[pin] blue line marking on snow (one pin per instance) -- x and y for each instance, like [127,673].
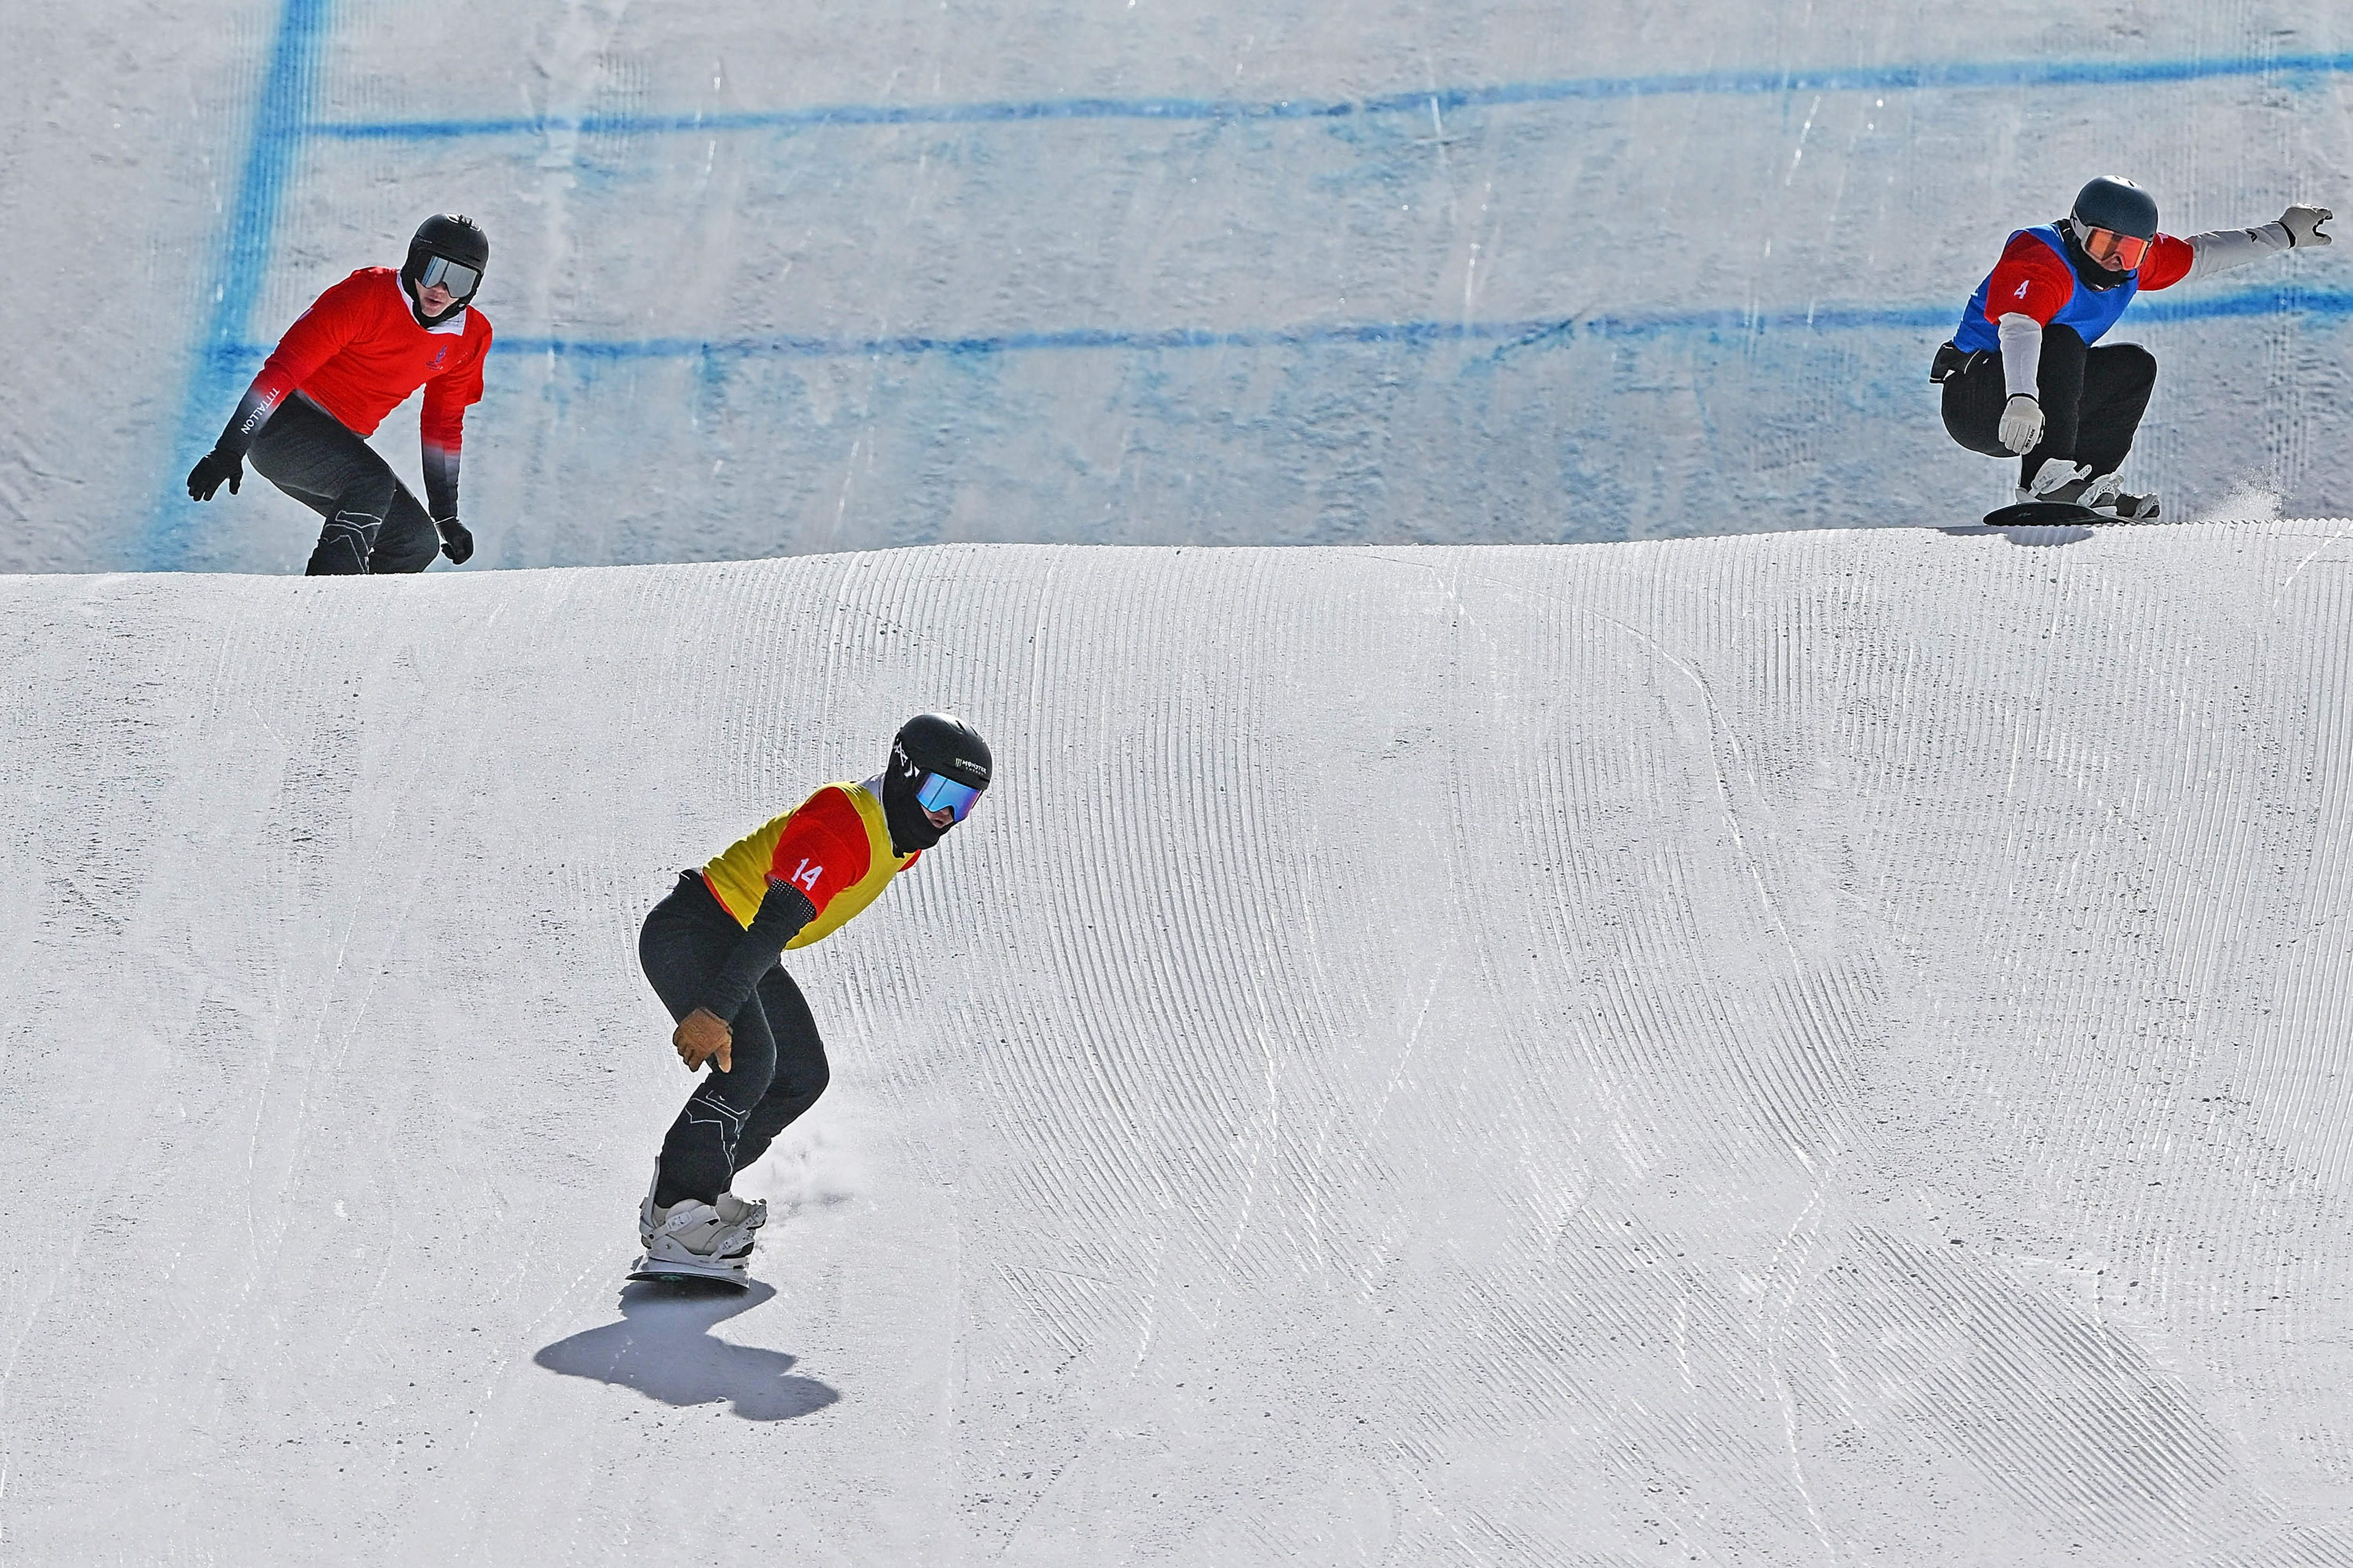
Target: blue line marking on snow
[281,116]
[1915,78]
[282,124]
[1523,334]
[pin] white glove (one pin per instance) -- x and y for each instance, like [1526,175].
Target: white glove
[2022,423]
[2303,226]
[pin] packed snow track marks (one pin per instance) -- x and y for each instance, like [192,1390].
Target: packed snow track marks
[1800,1048]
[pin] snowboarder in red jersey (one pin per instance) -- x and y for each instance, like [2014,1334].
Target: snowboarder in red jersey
[710,950]
[2022,377]
[353,357]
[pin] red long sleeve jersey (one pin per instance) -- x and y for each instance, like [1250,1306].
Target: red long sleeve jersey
[2032,279]
[358,352]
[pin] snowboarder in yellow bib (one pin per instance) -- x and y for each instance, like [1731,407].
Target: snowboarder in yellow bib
[710,950]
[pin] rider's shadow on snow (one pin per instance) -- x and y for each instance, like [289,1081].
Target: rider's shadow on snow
[663,1348]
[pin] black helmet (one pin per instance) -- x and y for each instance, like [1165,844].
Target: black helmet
[931,743]
[2117,205]
[945,744]
[459,240]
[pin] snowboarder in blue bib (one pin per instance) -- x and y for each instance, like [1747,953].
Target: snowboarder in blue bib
[2022,377]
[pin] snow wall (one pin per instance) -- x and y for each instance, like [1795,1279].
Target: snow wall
[1829,1048]
[832,276]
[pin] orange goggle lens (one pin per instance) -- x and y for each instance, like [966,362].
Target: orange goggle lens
[2109,247]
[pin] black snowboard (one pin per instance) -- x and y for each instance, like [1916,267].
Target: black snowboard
[2046,514]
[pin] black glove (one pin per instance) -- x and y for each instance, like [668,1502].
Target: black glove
[456,542]
[211,470]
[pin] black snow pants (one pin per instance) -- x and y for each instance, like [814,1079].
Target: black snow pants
[2093,399]
[373,523]
[780,1068]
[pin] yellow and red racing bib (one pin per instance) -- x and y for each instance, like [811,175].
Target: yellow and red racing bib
[835,846]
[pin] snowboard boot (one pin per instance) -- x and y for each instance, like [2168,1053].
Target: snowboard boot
[2102,495]
[719,1237]
[746,1215]
[2057,481]
[735,1211]
[691,1238]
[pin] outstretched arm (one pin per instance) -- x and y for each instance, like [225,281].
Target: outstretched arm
[2204,254]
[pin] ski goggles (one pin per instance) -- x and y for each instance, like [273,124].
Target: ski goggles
[936,792]
[456,278]
[2121,251]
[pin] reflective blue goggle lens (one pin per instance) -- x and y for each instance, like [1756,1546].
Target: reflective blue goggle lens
[939,794]
[460,280]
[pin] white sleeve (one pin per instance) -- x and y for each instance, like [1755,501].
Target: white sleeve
[2229,247]
[2021,353]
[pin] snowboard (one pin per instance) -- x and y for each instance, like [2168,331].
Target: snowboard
[715,1274]
[2047,514]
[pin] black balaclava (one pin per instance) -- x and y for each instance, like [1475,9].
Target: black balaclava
[911,829]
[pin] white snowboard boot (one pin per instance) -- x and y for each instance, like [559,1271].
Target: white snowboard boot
[2103,495]
[2055,481]
[744,1215]
[710,1241]
[750,1215]
[692,1237]
[2072,482]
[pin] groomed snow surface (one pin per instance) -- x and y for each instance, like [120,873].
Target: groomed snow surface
[1819,1048]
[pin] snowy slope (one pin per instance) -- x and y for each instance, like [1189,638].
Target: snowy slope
[1829,1047]
[841,276]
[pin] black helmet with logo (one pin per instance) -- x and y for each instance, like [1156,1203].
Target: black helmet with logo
[938,763]
[944,744]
